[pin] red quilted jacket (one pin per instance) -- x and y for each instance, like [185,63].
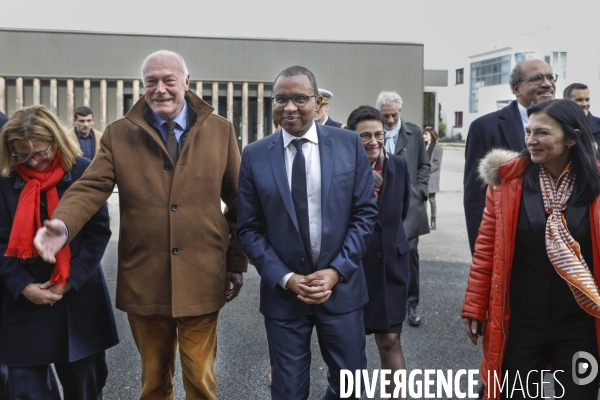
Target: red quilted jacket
[487,297]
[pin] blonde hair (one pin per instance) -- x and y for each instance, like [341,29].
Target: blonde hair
[35,123]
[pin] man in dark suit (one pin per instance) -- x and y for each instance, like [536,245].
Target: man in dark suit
[531,81]
[580,94]
[306,210]
[322,113]
[406,140]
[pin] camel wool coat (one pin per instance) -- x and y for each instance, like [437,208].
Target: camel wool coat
[175,244]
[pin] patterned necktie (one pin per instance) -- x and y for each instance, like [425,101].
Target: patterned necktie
[300,198]
[171,142]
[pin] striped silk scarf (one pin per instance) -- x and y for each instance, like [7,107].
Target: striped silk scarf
[563,251]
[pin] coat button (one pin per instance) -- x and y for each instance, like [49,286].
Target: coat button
[167,166]
[174,207]
[302,259]
[175,250]
[379,254]
[377,227]
[495,286]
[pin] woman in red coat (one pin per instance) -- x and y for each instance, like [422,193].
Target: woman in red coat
[532,282]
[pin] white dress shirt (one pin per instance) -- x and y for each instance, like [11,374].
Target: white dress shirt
[313,186]
[524,116]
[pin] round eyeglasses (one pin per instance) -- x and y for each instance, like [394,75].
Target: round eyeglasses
[539,79]
[39,156]
[299,100]
[366,137]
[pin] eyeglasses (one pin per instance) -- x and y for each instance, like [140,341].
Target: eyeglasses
[366,137]
[539,79]
[39,156]
[300,100]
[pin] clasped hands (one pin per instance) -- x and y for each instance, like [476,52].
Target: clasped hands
[44,293]
[316,287]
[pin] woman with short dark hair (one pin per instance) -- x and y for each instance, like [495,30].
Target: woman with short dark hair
[386,259]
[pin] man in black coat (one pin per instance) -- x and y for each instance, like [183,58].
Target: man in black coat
[580,94]
[531,81]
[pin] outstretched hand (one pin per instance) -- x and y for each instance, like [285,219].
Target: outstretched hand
[50,238]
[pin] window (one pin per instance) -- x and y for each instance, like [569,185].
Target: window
[428,108]
[491,72]
[500,104]
[559,63]
[458,119]
[523,56]
[460,76]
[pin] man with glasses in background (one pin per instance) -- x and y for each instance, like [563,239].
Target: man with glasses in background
[306,210]
[531,81]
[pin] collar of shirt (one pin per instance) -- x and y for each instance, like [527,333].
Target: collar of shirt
[311,135]
[524,116]
[180,119]
[79,135]
[326,118]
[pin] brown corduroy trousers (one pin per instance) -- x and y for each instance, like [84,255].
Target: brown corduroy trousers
[157,338]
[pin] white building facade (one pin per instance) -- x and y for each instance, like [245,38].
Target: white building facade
[479,84]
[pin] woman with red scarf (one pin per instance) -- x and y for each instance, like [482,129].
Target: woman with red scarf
[533,280]
[58,313]
[386,260]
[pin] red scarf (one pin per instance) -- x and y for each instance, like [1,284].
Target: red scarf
[27,218]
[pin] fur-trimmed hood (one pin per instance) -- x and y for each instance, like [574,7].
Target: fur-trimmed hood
[489,166]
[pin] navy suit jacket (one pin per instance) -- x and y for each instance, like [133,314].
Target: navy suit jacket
[502,129]
[333,123]
[595,125]
[268,228]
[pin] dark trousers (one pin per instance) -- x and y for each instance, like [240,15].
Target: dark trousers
[53,391]
[433,205]
[81,380]
[342,344]
[530,348]
[413,271]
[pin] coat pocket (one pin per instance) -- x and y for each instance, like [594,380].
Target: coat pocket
[342,176]
[402,247]
[222,226]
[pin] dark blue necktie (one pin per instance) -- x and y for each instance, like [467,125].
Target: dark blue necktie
[300,198]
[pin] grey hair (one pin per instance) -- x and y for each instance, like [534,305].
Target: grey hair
[387,98]
[515,76]
[166,53]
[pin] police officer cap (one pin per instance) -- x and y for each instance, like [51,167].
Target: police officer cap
[326,95]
